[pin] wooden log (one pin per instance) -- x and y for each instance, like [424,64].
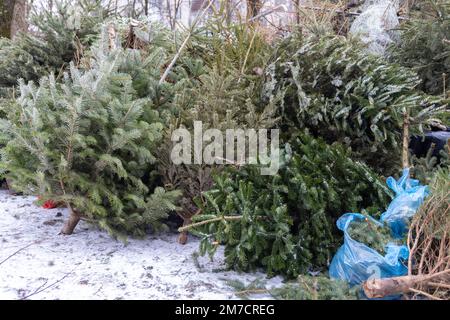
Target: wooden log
[71,222]
[379,288]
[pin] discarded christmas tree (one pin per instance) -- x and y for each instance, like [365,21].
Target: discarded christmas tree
[91,144]
[286,223]
[331,86]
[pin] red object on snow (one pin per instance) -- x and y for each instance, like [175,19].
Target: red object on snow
[49,204]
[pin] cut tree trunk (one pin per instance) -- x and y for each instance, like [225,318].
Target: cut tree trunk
[379,288]
[183,237]
[71,223]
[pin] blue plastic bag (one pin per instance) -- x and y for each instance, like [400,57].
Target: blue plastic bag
[409,195]
[355,262]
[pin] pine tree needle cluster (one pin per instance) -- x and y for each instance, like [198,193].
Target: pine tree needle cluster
[425,168]
[374,235]
[316,288]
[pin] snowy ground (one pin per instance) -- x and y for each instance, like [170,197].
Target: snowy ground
[37,263]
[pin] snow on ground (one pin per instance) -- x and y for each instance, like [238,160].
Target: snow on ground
[37,263]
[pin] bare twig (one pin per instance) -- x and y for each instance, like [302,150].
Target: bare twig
[47,287]
[38,288]
[246,55]
[21,249]
[439,285]
[424,294]
[98,290]
[265,13]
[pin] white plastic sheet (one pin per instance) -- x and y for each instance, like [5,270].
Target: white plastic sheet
[375,25]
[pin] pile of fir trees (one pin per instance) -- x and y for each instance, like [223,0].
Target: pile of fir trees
[96,138]
[329,86]
[128,80]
